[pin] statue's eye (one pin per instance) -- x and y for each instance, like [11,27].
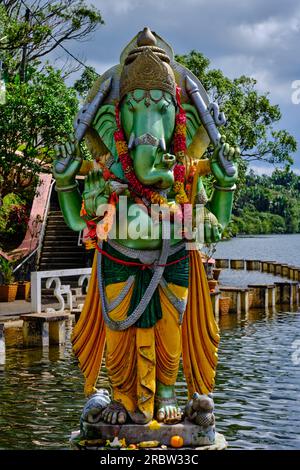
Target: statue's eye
[130,105]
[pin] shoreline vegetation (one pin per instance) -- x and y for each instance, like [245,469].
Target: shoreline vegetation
[267,205]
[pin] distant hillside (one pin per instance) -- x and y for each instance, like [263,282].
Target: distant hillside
[267,204]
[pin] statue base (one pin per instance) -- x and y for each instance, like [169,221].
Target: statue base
[194,436]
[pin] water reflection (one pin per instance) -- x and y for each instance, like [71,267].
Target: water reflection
[256,392]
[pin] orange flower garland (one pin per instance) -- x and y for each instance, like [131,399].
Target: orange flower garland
[179,143]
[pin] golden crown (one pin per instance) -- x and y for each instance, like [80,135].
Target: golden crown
[147,67]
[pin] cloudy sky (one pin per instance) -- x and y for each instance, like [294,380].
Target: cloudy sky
[259,38]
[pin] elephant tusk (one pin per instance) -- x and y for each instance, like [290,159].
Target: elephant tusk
[131,141]
[162,144]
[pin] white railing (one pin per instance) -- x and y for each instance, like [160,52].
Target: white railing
[37,250]
[54,277]
[44,222]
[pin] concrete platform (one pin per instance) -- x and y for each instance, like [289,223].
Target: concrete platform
[192,434]
[97,444]
[14,309]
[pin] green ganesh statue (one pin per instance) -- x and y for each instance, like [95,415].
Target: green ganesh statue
[147,122]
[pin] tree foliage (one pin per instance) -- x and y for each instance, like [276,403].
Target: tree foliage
[40,108]
[38,114]
[47,26]
[268,204]
[85,82]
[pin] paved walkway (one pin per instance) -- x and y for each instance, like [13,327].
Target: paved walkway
[14,309]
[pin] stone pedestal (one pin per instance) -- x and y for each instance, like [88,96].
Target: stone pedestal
[78,443]
[287,293]
[40,330]
[253,265]
[2,345]
[277,269]
[263,295]
[192,435]
[222,263]
[239,298]
[35,333]
[237,264]
[271,267]
[284,270]
[57,332]
[265,266]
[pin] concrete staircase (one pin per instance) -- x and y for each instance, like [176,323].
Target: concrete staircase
[60,246]
[60,250]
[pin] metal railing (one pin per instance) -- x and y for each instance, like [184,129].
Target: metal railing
[37,251]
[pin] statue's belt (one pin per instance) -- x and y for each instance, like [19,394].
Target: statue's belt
[140,255]
[155,260]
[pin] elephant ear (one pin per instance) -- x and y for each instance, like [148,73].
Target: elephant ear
[105,126]
[197,139]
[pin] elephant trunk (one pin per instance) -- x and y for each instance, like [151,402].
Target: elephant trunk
[153,167]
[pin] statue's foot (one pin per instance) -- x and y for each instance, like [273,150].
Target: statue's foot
[139,417]
[114,413]
[168,412]
[167,409]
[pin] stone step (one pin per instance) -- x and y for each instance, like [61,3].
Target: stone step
[64,264]
[61,233]
[50,258]
[57,222]
[65,242]
[56,266]
[51,244]
[57,253]
[60,229]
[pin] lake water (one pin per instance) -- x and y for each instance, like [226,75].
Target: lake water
[281,248]
[258,376]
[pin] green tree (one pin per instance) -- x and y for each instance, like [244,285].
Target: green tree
[38,114]
[268,204]
[40,108]
[31,34]
[85,82]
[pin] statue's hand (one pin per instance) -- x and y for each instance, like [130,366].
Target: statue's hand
[68,162]
[96,192]
[212,228]
[223,150]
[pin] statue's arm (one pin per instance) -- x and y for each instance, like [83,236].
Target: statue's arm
[70,204]
[220,203]
[217,210]
[65,169]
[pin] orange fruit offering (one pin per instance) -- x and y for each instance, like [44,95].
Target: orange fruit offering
[176,441]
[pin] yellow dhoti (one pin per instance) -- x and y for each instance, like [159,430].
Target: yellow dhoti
[136,357]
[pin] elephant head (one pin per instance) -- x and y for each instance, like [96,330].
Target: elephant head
[149,127]
[148,96]
[148,120]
